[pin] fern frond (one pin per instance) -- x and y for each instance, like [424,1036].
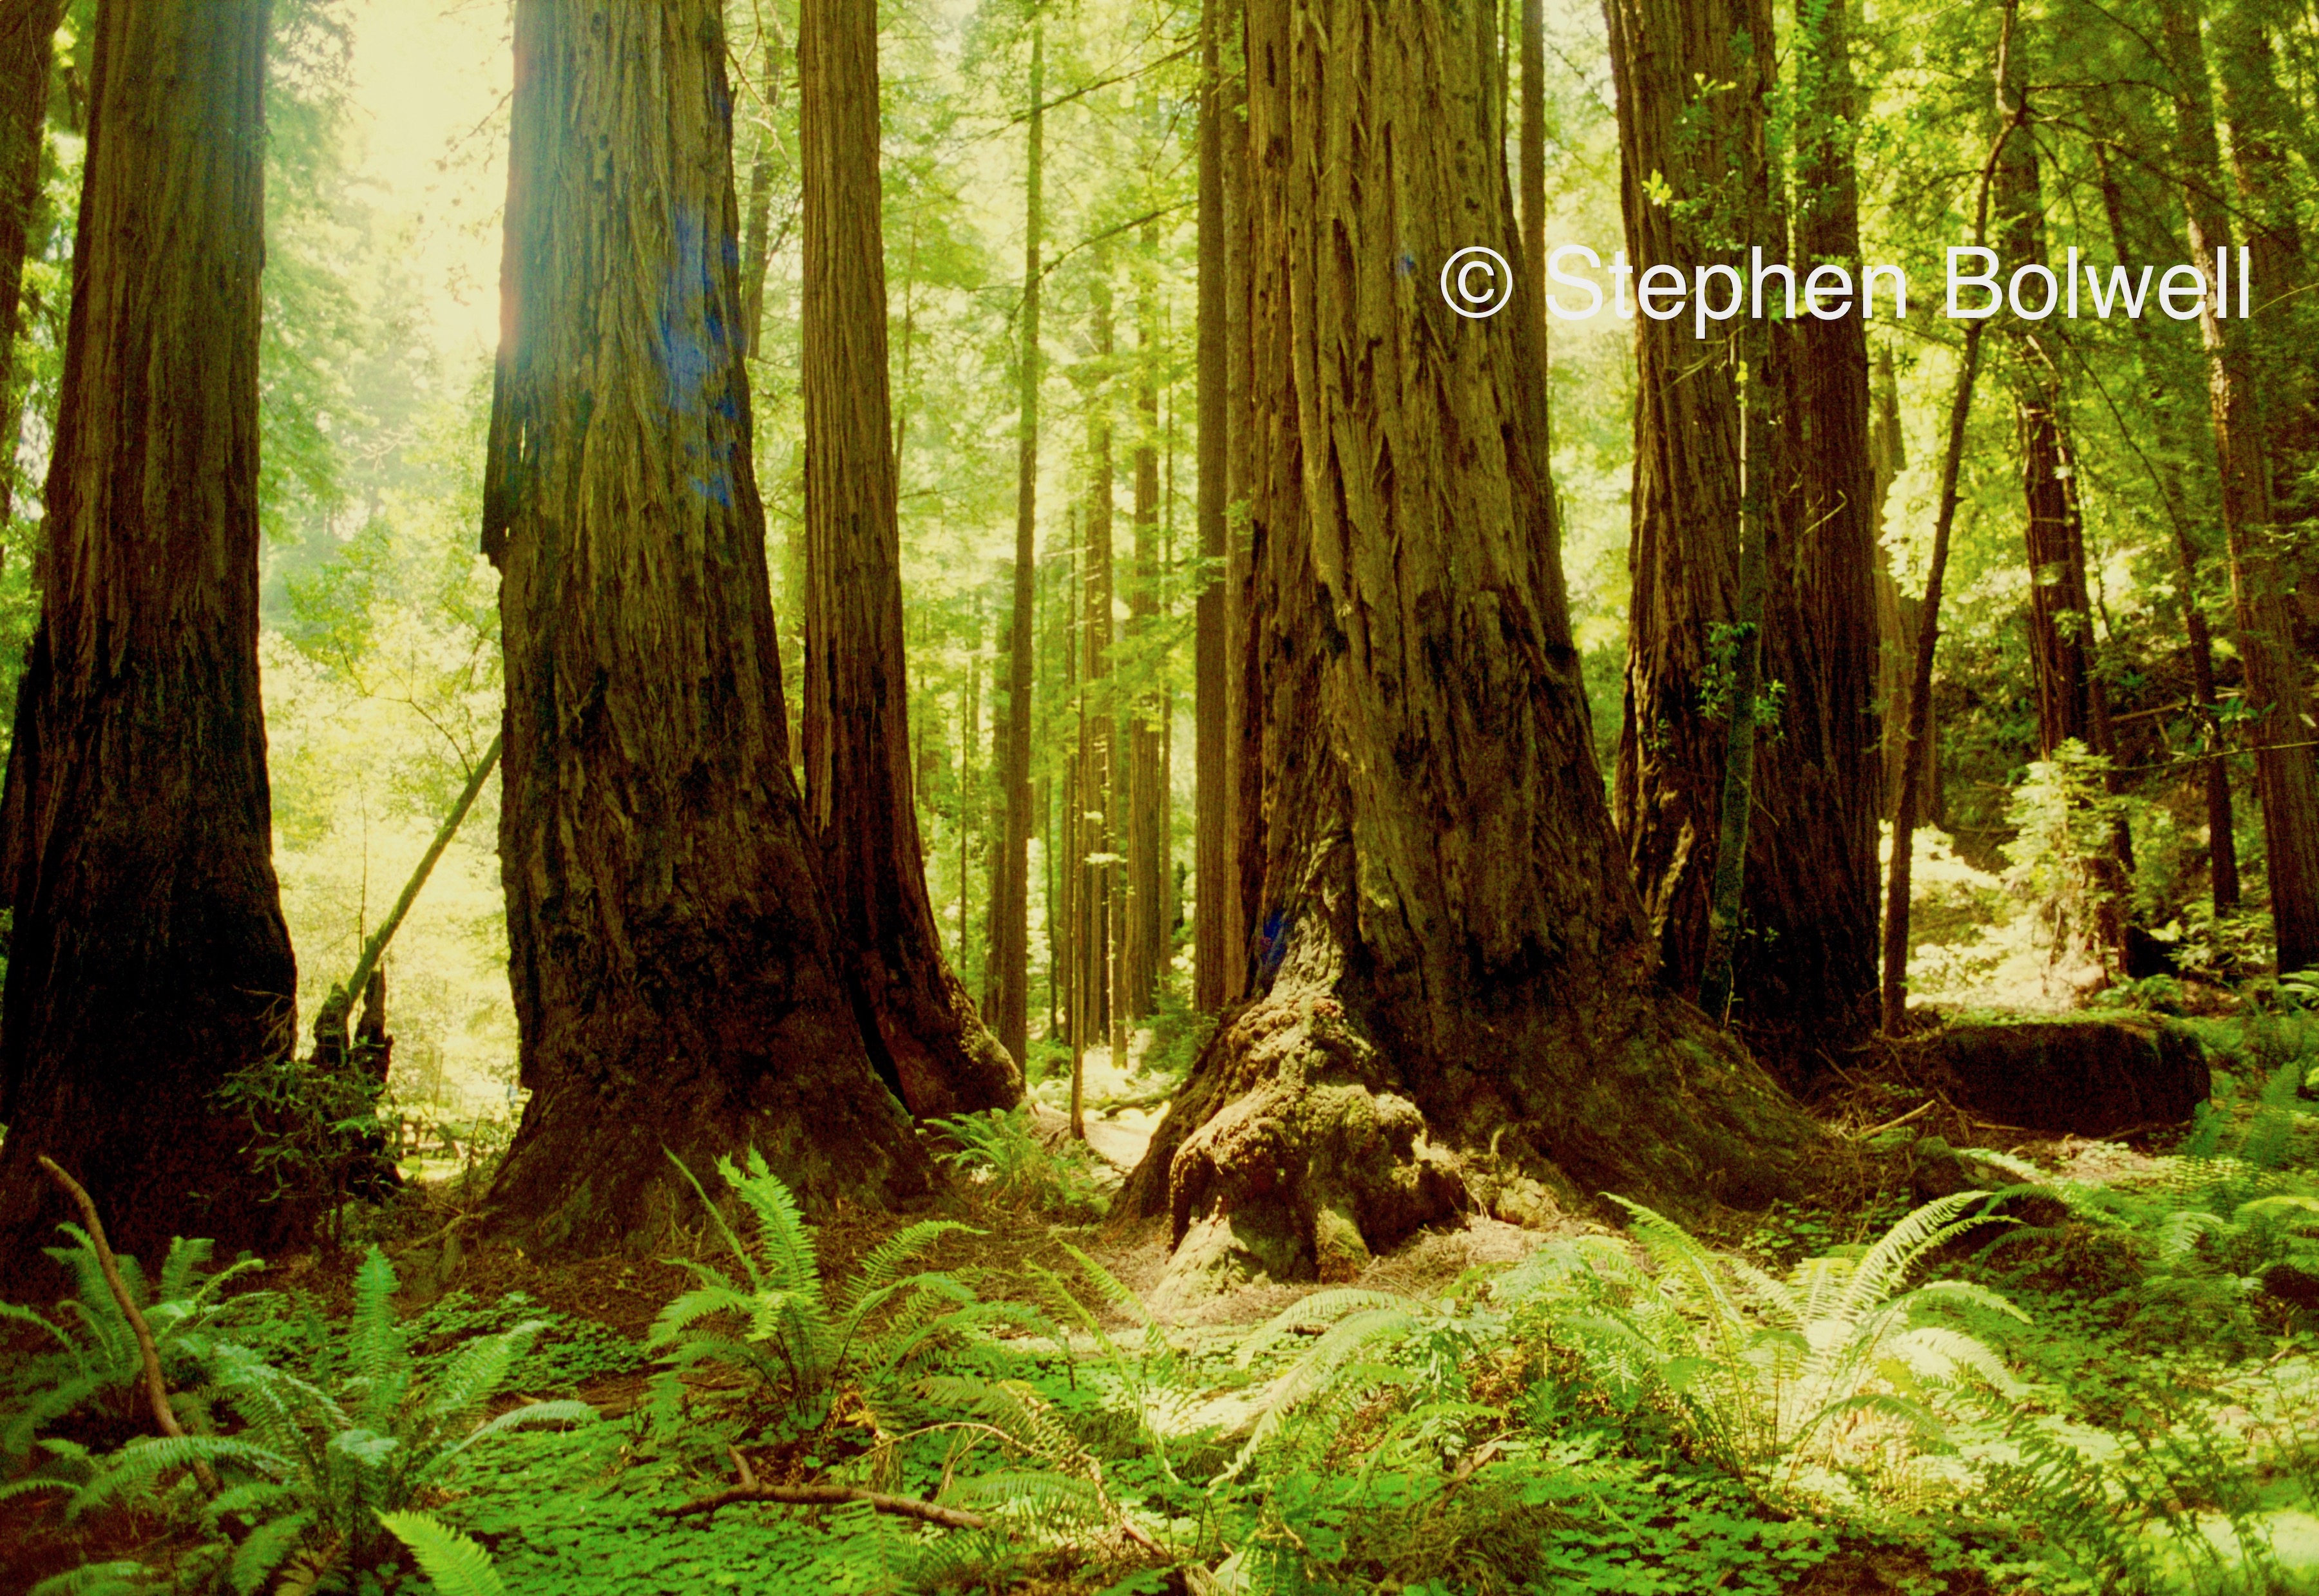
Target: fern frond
[16,1488]
[373,1330]
[1040,1496]
[881,1268]
[142,1461]
[1324,1367]
[1899,1250]
[99,1578]
[700,1347]
[278,1406]
[50,1405]
[1693,1271]
[691,1306]
[1011,1407]
[1766,1291]
[477,1372]
[10,1313]
[212,1285]
[177,1269]
[1965,1292]
[748,1265]
[1921,1422]
[1157,1348]
[2292,1208]
[252,1496]
[2178,1232]
[1819,1284]
[931,1290]
[456,1565]
[1933,1352]
[1313,1312]
[785,1258]
[566,1411]
[264,1550]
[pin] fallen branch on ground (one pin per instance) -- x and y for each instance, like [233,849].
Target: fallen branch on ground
[906,1507]
[157,1389]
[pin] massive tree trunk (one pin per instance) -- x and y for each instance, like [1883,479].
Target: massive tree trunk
[1686,498]
[1009,980]
[28,34]
[859,803]
[149,957]
[1215,956]
[1454,1000]
[2287,775]
[1243,694]
[1533,166]
[1804,971]
[1806,974]
[677,981]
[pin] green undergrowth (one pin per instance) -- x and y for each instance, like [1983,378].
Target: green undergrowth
[2093,1370]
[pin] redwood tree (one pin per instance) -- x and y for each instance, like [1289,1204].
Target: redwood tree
[1805,969]
[1007,982]
[1807,966]
[856,719]
[677,982]
[149,957]
[1454,1000]
[1684,506]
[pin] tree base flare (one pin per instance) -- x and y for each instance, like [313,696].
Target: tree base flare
[1303,1147]
[588,1174]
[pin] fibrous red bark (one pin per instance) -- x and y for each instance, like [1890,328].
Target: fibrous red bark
[1454,1000]
[677,981]
[1691,116]
[149,958]
[854,722]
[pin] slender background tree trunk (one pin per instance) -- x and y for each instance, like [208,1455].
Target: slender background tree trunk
[1684,510]
[1916,754]
[859,803]
[1215,884]
[2214,773]
[1010,893]
[1145,801]
[2285,774]
[28,34]
[1100,724]
[2071,702]
[1805,971]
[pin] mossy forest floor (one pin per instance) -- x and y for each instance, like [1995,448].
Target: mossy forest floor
[1489,1408]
